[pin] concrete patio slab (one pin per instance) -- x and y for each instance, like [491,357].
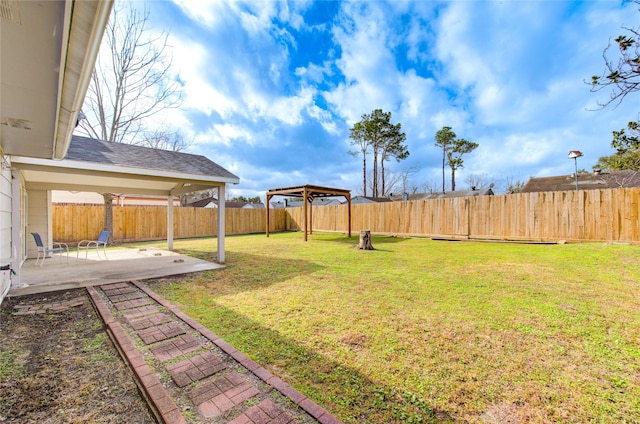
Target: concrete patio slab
[122,265]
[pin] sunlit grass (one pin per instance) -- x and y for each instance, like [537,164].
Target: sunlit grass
[420,330]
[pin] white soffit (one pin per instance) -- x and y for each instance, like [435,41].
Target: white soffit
[47,53]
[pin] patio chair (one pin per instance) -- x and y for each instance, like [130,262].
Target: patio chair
[43,250]
[103,238]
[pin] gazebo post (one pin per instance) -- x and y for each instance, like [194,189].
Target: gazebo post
[304,210]
[311,214]
[308,194]
[268,197]
[348,196]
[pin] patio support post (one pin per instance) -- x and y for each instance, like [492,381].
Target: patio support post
[221,205]
[17,239]
[170,222]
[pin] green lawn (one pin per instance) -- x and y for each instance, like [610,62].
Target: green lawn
[431,331]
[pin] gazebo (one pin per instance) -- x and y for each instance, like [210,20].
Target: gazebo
[308,193]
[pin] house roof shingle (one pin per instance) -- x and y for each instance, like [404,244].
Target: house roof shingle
[616,179]
[446,195]
[103,152]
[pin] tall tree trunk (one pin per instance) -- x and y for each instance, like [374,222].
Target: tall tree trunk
[364,173]
[375,172]
[108,214]
[443,160]
[383,193]
[453,179]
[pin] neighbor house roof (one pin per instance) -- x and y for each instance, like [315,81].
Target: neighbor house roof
[202,203]
[126,155]
[368,199]
[593,181]
[446,195]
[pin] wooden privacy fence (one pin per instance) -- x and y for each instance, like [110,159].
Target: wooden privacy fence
[72,223]
[586,215]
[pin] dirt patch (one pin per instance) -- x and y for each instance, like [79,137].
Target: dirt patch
[58,365]
[355,340]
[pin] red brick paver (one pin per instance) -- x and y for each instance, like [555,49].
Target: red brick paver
[200,366]
[130,304]
[266,412]
[175,348]
[125,296]
[41,308]
[149,321]
[109,288]
[140,312]
[160,332]
[218,396]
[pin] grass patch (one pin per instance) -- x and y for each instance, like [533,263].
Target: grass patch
[12,364]
[430,331]
[95,348]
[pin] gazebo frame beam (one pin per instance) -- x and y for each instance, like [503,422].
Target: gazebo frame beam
[309,193]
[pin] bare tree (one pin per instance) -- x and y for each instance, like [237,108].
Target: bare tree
[131,82]
[164,139]
[407,185]
[430,186]
[513,185]
[477,181]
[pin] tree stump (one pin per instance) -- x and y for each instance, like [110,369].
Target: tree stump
[365,240]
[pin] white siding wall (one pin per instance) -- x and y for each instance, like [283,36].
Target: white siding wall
[5,229]
[38,220]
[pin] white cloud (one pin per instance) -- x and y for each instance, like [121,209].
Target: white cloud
[208,13]
[229,133]
[191,60]
[508,75]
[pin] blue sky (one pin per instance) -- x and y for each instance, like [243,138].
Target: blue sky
[272,88]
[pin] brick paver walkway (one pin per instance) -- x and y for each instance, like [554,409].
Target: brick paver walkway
[183,366]
[175,348]
[41,308]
